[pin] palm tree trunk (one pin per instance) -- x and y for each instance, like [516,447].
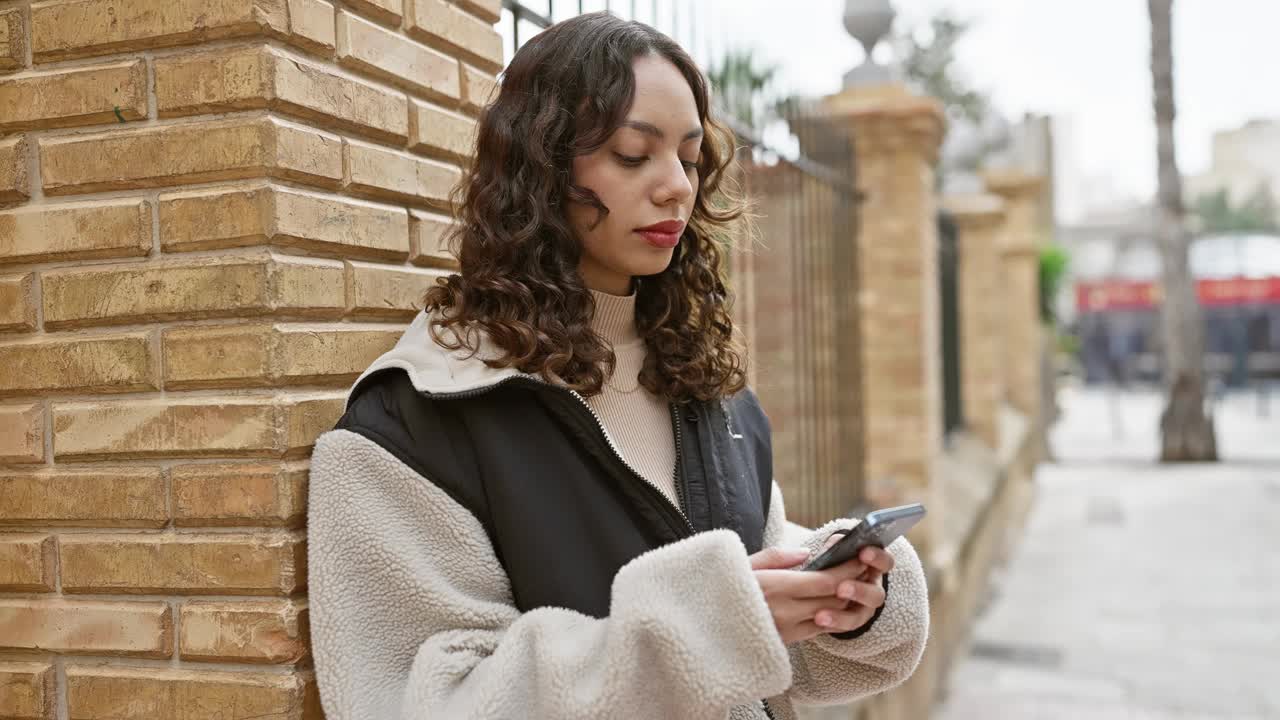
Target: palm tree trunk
[1186,429]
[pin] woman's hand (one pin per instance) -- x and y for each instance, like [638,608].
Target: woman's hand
[807,603]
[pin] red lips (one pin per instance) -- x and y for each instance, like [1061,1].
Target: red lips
[664,235]
[671,227]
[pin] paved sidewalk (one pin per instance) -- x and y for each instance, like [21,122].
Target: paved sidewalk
[1138,591]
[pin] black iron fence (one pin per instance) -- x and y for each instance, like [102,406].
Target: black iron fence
[797,290]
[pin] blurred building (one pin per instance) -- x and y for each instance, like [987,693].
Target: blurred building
[1242,161]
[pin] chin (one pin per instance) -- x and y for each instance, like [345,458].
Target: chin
[652,265]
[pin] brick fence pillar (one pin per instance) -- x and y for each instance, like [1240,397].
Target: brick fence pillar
[896,137]
[1020,265]
[980,220]
[213,216]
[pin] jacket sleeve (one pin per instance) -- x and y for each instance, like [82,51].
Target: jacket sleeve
[828,670]
[412,616]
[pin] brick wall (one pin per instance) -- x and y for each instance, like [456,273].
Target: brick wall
[213,215]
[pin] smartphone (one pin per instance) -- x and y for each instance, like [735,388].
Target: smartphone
[878,528]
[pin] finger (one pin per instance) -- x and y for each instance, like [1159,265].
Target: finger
[878,558]
[837,621]
[847,570]
[805,631]
[863,593]
[835,538]
[778,558]
[798,583]
[801,611]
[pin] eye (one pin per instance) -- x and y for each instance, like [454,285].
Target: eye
[689,165]
[629,161]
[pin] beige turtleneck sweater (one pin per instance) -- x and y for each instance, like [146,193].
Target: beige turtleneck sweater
[638,422]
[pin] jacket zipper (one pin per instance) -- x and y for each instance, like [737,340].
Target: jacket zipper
[617,454]
[676,472]
[768,711]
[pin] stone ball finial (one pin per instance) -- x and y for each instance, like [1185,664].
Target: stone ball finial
[868,21]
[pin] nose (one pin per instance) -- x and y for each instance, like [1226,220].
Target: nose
[674,185]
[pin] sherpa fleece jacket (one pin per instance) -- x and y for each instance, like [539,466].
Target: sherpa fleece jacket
[479,549]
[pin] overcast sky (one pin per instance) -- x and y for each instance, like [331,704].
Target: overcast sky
[1083,61]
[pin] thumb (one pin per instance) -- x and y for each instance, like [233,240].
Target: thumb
[778,558]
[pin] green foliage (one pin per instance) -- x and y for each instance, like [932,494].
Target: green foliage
[1219,215]
[743,86]
[931,64]
[1054,261]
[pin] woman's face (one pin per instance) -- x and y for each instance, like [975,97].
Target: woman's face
[646,174]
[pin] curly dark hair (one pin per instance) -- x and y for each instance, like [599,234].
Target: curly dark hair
[563,95]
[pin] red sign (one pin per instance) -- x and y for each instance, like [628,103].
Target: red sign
[1129,295]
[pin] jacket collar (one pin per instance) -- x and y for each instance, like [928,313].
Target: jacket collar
[437,370]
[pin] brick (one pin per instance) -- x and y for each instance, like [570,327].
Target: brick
[448,27]
[78,28]
[328,354]
[307,286]
[18,302]
[99,364]
[89,627]
[209,287]
[26,565]
[124,693]
[26,691]
[188,428]
[13,42]
[264,77]
[257,355]
[225,286]
[428,240]
[387,11]
[75,231]
[396,59]
[218,356]
[271,631]
[436,131]
[306,419]
[311,22]
[348,228]
[488,10]
[478,89]
[382,173]
[226,564]
[386,292]
[189,153]
[14,184]
[307,155]
[22,434]
[80,96]
[215,218]
[324,224]
[239,494]
[218,81]
[316,92]
[110,497]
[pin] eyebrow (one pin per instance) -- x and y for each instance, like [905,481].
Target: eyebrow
[654,130]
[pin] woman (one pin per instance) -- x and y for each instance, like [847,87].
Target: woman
[553,498]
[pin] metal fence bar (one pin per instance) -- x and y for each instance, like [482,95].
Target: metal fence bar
[949,340]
